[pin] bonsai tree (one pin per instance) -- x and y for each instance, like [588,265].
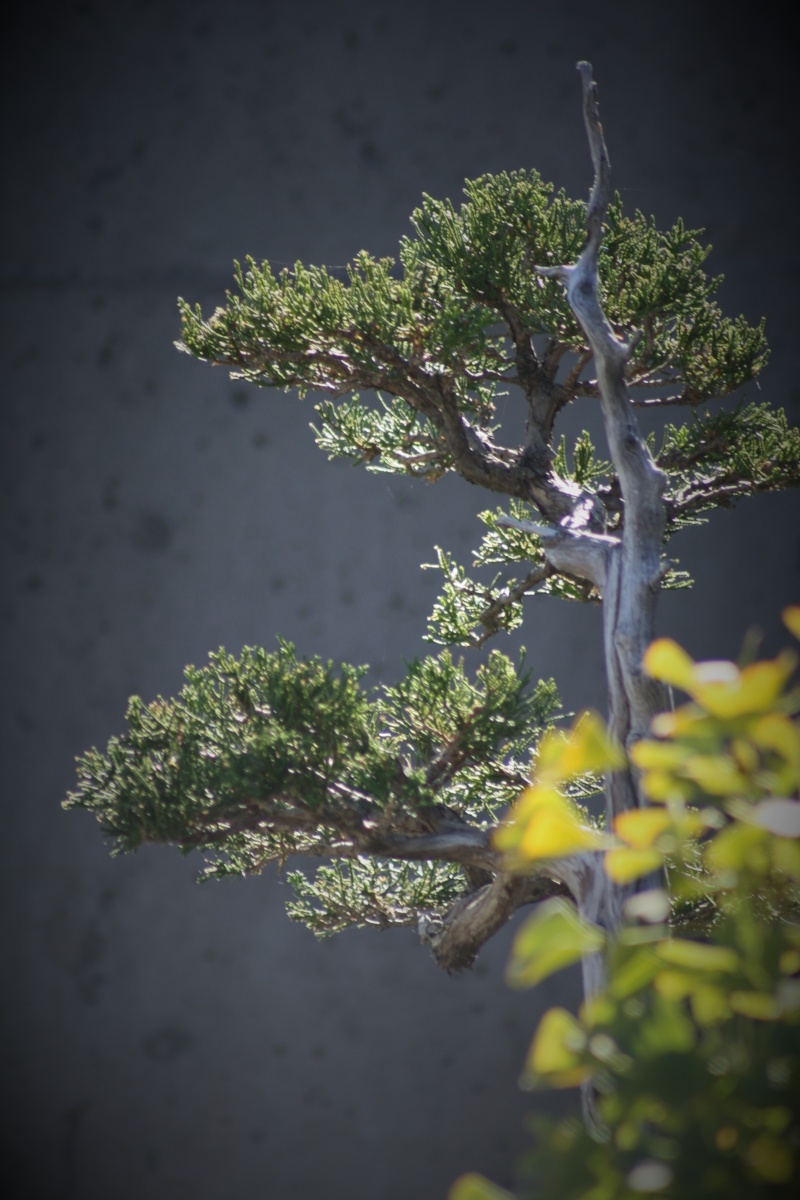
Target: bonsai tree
[401,790]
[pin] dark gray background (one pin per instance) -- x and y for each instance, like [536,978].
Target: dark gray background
[167,1040]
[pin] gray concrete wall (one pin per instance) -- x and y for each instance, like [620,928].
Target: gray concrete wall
[167,1040]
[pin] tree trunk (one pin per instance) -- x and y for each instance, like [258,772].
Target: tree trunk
[632,568]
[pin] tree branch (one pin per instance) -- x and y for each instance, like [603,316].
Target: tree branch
[489,616]
[572,553]
[456,938]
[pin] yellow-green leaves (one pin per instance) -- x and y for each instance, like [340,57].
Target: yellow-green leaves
[692,1043]
[759,1006]
[736,744]
[554,937]
[623,865]
[477,1187]
[667,661]
[640,827]
[588,747]
[544,822]
[791,619]
[697,956]
[556,1054]
[721,688]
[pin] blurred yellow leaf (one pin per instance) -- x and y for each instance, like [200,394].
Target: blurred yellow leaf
[688,720]
[745,755]
[590,747]
[509,834]
[597,1010]
[791,619]
[587,748]
[640,827]
[555,1053]
[738,847]
[554,937]
[777,732]
[623,866]
[673,984]
[733,693]
[715,774]
[697,956]
[669,662]
[709,1004]
[720,687]
[667,1028]
[635,973]
[532,798]
[789,963]
[759,1006]
[553,830]
[649,754]
[662,786]
[477,1187]
[549,752]
[786,857]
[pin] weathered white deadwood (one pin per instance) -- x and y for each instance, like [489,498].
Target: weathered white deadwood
[581,554]
[633,566]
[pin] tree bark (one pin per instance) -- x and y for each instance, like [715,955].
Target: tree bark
[630,577]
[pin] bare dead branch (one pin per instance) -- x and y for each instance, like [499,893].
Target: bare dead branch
[492,612]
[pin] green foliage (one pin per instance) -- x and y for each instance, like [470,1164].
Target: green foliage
[654,281]
[463,315]
[466,270]
[709,459]
[368,892]
[586,469]
[388,438]
[470,610]
[265,756]
[414,355]
[473,740]
[243,736]
[481,255]
[692,1047]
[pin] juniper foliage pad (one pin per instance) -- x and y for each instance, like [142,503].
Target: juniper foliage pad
[265,756]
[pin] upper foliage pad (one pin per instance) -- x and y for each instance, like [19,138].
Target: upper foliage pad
[465,283]
[414,355]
